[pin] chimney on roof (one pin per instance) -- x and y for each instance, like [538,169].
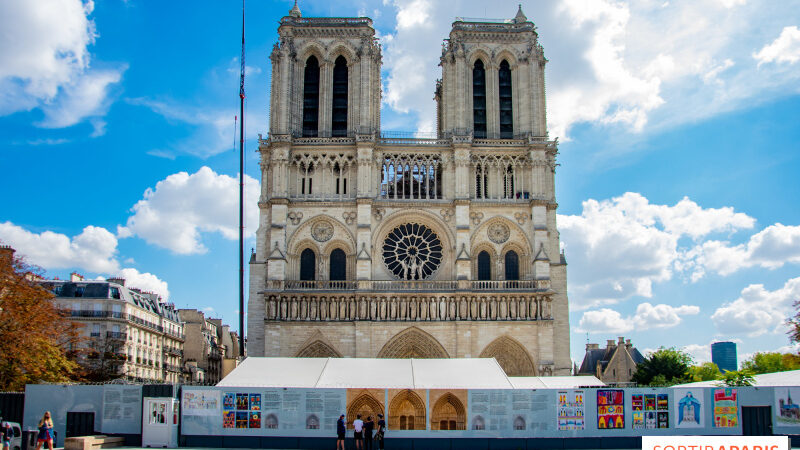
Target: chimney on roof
[628,343]
[621,340]
[75,276]
[6,254]
[592,346]
[119,280]
[610,343]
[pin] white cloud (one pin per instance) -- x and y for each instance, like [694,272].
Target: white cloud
[647,317]
[626,244]
[93,250]
[182,207]
[44,61]
[604,321]
[758,311]
[770,248]
[700,352]
[146,281]
[784,49]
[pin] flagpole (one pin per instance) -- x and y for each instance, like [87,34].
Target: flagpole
[241,198]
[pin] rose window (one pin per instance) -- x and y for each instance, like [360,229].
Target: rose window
[412,252]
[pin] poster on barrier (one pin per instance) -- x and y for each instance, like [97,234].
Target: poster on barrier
[649,411]
[610,409]
[570,410]
[689,408]
[787,411]
[726,408]
[201,402]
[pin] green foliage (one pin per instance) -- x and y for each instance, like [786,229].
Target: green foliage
[664,367]
[705,372]
[738,378]
[768,362]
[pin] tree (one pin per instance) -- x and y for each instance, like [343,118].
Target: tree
[34,334]
[737,378]
[104,360]
[768,362]
[665,366]
[705,372]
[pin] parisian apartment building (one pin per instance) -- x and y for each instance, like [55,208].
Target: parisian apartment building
[211,350]
[131,334]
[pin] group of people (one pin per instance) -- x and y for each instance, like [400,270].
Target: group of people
[362,432]
[45,433]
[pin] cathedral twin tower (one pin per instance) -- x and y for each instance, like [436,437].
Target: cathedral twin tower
[387,245]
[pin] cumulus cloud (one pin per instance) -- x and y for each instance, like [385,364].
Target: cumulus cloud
[182,207]
[647,317]
[626,244]
[44,61]
[146,281]
[758,311]
[770,248]
[94,249]
[784,49]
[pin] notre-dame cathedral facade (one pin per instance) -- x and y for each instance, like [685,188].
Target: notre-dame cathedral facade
[379,244]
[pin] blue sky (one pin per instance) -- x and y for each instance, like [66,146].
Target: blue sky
[677,121]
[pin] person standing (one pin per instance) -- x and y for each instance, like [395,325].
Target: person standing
[341,430]
[45,432]
[381,431]
[5,435]
[358,431]
[369,425]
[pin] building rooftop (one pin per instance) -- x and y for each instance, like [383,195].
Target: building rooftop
[788,378]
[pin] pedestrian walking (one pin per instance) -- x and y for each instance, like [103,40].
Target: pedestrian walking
[369,425]
[358,431]
[341,430]
[5,434]
[45,432]
[381,431]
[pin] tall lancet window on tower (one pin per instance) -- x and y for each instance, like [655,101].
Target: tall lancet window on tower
[340,97]
[479,100]
[506,113]
[311,97]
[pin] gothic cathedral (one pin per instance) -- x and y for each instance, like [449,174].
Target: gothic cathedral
[390,245]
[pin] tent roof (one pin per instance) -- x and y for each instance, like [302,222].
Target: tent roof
[788,378]
[374,373]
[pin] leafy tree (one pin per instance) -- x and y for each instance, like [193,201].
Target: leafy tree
[705,372]
[34,334]
[663,367]
[738,378]
[768,362]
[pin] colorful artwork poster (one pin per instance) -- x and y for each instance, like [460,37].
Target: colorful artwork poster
[570,410]
[241,402]
[650,411]
[610,409]
[229,419]
[229,401]
[241,419]
[255,419]
[689,408]
[255,403]
[726,408]
[787,411]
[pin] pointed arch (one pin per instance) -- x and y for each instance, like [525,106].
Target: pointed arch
[511,263]
[311,96]
[479,99]
[339,102]
[366,405]
[318,349]
[484,265]
[448,413]
[511,356]
[413,343]
[308,264]
[407,411]
[505,100]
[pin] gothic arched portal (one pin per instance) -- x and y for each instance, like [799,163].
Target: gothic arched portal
[413,343]
[448,413]
[511,356]
[366,405]
[318,349]
[407,411]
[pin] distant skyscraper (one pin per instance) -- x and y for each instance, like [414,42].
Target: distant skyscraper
[723,354]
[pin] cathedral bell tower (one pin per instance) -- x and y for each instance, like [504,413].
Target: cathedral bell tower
[393,245]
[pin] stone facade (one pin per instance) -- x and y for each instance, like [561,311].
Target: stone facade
[397,245]
[211,349]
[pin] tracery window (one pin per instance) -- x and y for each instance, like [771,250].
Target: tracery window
[484,266]
[512,265]
[338,265]
[340,97]
[311,97]
[508,182]
[308,262]
[506,111]
[412,252]
[411,177]
[479,99]
[481,178]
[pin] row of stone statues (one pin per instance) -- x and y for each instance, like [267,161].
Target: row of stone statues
[346,308]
